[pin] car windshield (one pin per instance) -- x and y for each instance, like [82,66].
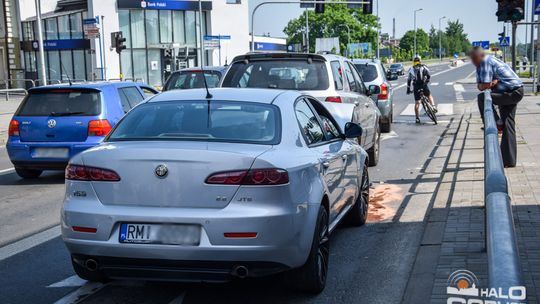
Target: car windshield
[192,80]
[61,102]
[368,71]
[395,66]
[287,74]
[224,121]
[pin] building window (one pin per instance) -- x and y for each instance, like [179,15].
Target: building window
[139,69]
[63,27]
[152,27]
[233,1]
[178,27]
[127,67]
[123,20]
[55,73]
[165,26]
[154,67]
[51,29]
[191,29]
[79,68]
[137,29]
[75,21]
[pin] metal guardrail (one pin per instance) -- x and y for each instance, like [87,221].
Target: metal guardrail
[504,267]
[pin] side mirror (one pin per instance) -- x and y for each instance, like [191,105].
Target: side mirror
[352,130]
[374,90]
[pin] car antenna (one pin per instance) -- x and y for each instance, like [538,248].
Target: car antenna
[208,95]
[64,69]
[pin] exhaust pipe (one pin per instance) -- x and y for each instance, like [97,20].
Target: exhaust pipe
[240,271]
[91,264]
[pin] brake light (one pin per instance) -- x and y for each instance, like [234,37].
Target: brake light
[13,129]
[84,229]
[99,127]
[336,99]
[250,177]
[384,92]
[242,235]
[84,173]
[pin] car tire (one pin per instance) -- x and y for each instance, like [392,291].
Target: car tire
[386,127]
[311,277]
[358,214]
[28,173]
[92,276]
[373,152]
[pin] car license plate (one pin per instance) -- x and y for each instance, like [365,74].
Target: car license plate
[160,234]
[51,153]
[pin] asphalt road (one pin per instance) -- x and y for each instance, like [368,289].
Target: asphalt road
[370,264]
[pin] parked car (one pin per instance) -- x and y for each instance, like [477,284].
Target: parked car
[373,73]
[396,68]
[329,78]
[248,183]
[192,78]
[54,123]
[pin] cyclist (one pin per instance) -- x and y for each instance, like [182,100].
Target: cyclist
[419,77]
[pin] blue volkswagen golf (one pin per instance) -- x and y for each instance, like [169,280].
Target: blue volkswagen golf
[54,123]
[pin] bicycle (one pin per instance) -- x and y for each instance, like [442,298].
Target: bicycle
[428,108]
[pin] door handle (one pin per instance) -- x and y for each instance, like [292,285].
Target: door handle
[366,104]
[325,164]
[344,157]
[356,103]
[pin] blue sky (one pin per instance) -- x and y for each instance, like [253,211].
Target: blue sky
[478,16]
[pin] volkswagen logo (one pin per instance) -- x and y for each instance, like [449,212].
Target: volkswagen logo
[51,123]
[161,171]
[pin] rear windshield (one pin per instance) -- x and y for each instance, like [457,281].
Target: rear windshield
[368,71]
[287,74]
[192,80]
[61,102]
[395,66]
[223,121]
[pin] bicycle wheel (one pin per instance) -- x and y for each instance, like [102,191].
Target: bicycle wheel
[428,108]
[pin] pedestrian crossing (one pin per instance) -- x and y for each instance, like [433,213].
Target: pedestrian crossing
[443,109]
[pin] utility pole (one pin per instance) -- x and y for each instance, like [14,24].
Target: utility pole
[307,31]
[394,28]
[538,55]
[531,59]
[201,33]
[40,43]
[378,33]
[514,30]
[420,9]
[440,38]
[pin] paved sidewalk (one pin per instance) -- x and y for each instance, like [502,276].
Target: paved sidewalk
[454,235]
[7,108]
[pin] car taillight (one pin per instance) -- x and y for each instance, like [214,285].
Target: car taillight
[13,129]
[333,99]
[99,127]
[250,177]
[84,173]
[384,92]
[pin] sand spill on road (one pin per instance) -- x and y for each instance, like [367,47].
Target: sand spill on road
[380,200]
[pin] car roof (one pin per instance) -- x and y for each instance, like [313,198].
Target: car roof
[229,94]
[206,68]
[90,85]
[366,61]
[273,55]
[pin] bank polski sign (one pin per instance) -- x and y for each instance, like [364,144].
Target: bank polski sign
[177,5]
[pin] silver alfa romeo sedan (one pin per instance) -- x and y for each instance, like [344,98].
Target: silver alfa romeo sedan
[208,186]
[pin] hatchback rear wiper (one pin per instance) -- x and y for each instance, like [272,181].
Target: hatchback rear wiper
[66,113]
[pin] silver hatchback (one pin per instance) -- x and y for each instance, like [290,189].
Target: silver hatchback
[247,183]
[329,78]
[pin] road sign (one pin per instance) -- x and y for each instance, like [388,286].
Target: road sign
[217,37]
[483,44]
[504,41]
[211,44]
[90,21]
[537,7]
[91,31]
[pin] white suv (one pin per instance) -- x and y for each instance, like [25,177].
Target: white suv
[329,78]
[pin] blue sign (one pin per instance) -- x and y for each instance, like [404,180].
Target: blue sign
[177,5]
[269,46]
[483,44]
[63,44]
[504,41]
[363,48]
[90,21]
[537,7]
[217,37]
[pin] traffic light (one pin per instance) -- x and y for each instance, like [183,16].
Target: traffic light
[511,10]
[367,8]
[117,41]
[319,7]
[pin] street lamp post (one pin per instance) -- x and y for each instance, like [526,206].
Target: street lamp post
[43,73]
[201,37]
[420,9]
[348,37]
[440,38]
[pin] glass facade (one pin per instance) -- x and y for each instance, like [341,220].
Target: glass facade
[147,32]
[61,65]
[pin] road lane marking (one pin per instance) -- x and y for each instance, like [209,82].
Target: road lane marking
[29,242]
[443,109]
[449,83]
[459,89]
[385,136]
[7,171]
[81,293]
[179,299]
[435,84]
[72,281]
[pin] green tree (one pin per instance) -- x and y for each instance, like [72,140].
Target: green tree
[434,35]
[458,41]
[333,23]
[422,42]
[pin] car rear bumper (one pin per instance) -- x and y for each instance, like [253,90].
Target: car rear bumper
[284,236]
[21,153]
